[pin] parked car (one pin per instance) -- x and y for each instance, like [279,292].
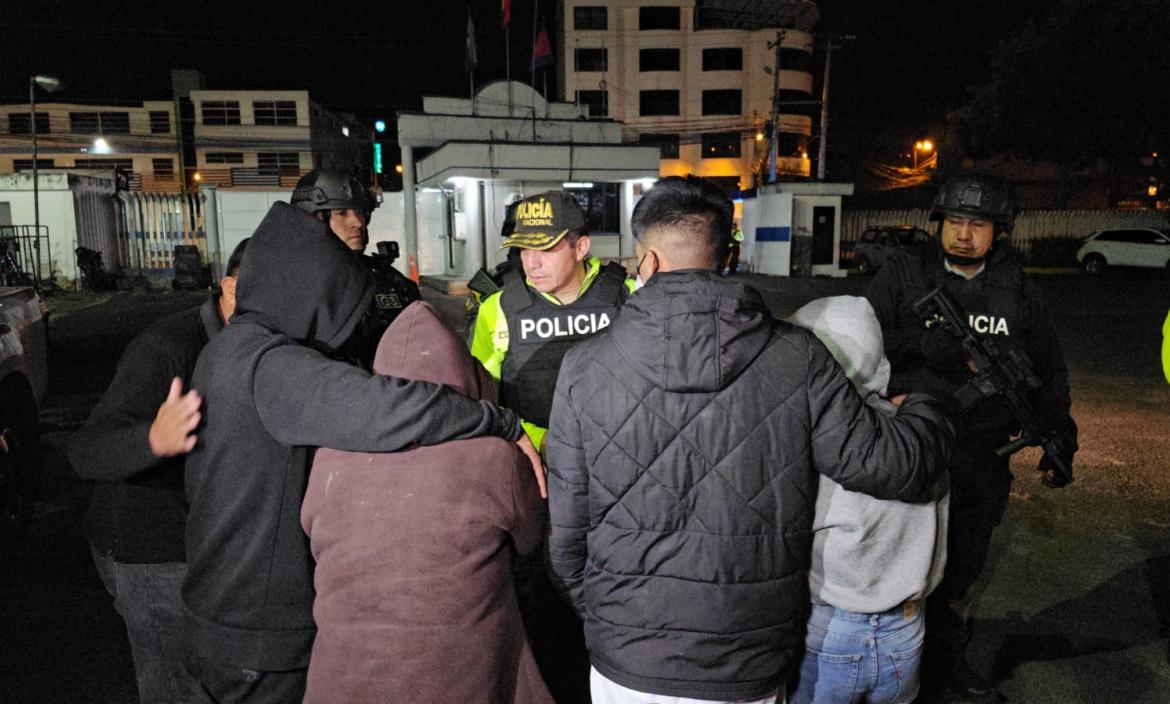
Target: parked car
[879,242]
[24,376]
[1136,246]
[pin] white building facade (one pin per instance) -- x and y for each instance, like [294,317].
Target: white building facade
[695,78]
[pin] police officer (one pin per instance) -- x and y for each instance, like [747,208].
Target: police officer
[562,296]
[558,296]
[347,205]
[971,259]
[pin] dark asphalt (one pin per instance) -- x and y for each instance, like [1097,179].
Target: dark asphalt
[1076,604]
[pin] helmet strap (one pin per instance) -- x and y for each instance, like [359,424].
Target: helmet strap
[960,260]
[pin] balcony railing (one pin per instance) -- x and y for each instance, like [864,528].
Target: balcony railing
[237,177]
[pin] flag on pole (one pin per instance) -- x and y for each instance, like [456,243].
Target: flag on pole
[541,51]
[472,58]
[505,13]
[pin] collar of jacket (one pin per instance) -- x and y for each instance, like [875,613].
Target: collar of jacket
[209,315]
[692,330]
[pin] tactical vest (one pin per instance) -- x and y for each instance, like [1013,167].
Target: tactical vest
[392,293]
[541,332]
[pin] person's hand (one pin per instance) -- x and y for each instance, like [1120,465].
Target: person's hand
[533,456]
[897,400]
[177,418]
[1051,476]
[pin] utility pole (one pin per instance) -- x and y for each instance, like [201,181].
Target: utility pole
[823,148]
[774,142]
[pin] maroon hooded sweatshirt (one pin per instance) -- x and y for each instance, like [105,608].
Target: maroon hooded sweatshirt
[415,601]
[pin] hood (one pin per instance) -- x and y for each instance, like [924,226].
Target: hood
[418,346]
[848,326]
[298,279]
[692,330]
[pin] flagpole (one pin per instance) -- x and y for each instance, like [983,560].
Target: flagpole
[508,64]
[535,19]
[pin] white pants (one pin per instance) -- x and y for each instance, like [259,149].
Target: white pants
[605,691]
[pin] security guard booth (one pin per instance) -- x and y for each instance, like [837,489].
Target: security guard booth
[467,160]
[794,229]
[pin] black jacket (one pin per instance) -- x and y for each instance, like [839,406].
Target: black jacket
[272,393]
[684,450]
[1003,302]
[138,511]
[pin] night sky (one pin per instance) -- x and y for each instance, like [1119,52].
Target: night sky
[911,62]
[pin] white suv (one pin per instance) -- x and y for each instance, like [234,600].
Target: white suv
[1137,246]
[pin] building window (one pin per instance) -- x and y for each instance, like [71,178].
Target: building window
[163,168]
[160,122]
[658,18]
[667,143]
[276,112]
[722,102]
[84,123]
[792,144]
[590,17]
[724,59]
[596,100]
[657,102]
[796,60]
[20,123]
[720,145]
[221,112]
[591,60]
[27,164]
[797,102]
[658,59]
[278,162]
[115,122]
[223,158]
[121,164]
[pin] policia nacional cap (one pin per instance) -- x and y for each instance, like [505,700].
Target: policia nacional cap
[544,219]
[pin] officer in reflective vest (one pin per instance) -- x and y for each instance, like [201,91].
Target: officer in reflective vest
[563,295]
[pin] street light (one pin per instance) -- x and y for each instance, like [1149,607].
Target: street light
[925,146]
[49,84]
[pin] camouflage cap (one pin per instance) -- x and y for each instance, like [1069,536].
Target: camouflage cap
[544,219]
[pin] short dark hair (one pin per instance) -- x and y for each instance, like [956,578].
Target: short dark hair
[691,205]
[237,258]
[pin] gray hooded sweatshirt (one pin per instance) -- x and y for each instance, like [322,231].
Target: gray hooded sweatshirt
[868,555]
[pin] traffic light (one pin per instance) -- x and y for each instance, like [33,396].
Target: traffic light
[377,157]
[379,126]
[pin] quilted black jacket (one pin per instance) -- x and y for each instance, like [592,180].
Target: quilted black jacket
[684,446]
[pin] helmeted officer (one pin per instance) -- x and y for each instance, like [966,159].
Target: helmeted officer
[971,259]
[347,205]
[562,296]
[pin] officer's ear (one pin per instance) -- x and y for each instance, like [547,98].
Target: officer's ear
[227,297]
[581,247]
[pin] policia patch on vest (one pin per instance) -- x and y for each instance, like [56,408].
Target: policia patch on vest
[540,333]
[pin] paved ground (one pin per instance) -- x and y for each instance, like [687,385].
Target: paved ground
[1075,605]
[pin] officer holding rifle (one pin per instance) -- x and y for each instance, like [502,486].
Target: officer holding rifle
[1021,394]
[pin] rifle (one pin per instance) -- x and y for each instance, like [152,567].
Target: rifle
[1003,372]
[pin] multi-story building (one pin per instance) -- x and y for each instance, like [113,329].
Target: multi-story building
[696,79]
[237,138]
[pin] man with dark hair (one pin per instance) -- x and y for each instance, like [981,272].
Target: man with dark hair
[685,443]
[973,263]
[133,447]
[275,391]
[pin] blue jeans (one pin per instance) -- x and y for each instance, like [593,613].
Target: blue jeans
[147,597]
[854,657]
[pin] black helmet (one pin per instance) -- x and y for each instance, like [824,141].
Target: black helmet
[333,190]
[976,195]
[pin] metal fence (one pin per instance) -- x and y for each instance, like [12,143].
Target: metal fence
[1031,225]
[152,224]
[25,256]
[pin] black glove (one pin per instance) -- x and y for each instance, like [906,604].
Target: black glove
[1052,477]
[941,350]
